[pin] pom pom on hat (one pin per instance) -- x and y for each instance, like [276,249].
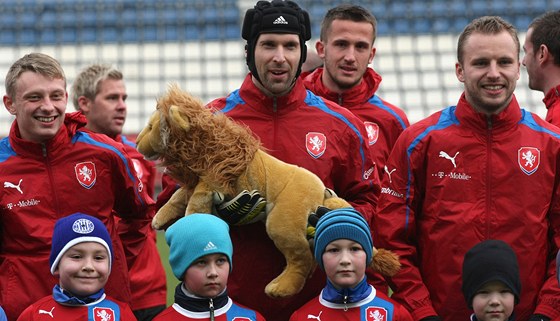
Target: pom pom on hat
[194,236]
[74,229]
[490,260]
[344,223]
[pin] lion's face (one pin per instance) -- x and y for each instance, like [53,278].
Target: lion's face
[149,142]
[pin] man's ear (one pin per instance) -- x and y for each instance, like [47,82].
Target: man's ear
[459,72]
[320,48]
[9,104]
[84,104]
[544,55]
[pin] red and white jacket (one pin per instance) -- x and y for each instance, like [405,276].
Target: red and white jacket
[376,307]
[457,178]
[384,121]
[309,131]
[105,309]
[75,171]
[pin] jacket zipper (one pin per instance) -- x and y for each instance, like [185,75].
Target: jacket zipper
[51,181]
[488,174]
[211,306]
[275,120]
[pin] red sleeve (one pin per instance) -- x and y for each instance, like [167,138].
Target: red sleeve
[132,199]
[126,313]
[394,228]
[548,302]
[168,187]
[356,180]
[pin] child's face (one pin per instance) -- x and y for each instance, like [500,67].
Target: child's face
[208,275]
[345,263]
[493,302]
[83,269]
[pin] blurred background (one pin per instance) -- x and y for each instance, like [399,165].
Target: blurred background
[197,44]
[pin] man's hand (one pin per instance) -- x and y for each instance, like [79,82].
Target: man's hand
[246,207]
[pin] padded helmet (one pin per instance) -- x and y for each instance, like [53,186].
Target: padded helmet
[277,16]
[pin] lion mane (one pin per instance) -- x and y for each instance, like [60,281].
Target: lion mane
[215,147]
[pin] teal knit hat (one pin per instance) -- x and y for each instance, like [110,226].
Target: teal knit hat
[194,236]
[344,223]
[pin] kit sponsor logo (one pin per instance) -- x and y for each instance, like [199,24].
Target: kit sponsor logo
[388,190]
[452,175]
[23,203]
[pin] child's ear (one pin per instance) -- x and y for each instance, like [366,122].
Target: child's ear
[56,273]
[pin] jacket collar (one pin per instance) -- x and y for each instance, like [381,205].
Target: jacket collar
[499,123]
[255,98]
[72,122]
[552,96]
[357,95]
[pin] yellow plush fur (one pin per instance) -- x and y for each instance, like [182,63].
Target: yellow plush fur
[207,152]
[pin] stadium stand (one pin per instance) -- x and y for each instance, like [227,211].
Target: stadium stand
[197,44]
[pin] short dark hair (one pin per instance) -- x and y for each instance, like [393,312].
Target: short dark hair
[488,25]
[348,12]
[546,31]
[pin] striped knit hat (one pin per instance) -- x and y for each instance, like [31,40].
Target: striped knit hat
[344,223]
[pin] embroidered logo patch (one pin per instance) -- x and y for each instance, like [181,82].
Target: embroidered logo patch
[316,144]
[372,132]
[376,314]
[529,159]
[86,174]
[103,314]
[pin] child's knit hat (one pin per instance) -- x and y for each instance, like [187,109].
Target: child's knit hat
[490,260]
[343,223]
[194,236]
[74,229]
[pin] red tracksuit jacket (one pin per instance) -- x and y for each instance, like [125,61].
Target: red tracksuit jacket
[74,171]
[147,277]
[105,309]
[384,121]
[552,103]
[457,178]
[306,130]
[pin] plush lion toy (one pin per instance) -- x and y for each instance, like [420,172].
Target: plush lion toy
[207,153]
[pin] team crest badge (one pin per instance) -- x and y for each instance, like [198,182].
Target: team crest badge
[103,314]
[529,159]
[372,132]
[86,174]
[376,314]
[316,144]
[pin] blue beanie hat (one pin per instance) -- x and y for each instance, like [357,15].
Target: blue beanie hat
[194,236]
[74,229]
[343,223]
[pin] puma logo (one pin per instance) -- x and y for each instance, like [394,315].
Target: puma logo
[318,317]
[389,172]
[446,156]
[12,185]
[47,312]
